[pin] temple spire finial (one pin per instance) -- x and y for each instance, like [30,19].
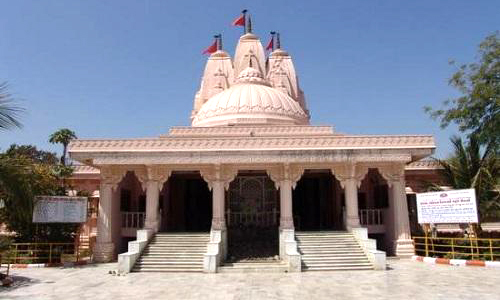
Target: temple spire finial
[219,39]
[244,12]
[278,41]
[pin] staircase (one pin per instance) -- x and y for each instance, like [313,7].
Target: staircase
[331,251]
[174,252]
[254,267]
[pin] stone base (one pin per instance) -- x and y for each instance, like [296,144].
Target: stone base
[404,248]
[104,252]
[152,225]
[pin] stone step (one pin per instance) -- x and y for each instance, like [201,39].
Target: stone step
[322,255]
[335,268]
[170,253]
[253,267]
[176,270]
[189,263]
[334,259]
[332,246]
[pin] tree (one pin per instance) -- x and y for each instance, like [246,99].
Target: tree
[62,136]
[9,112]
[21,179]
[31,152]
[476,111]
[470,166]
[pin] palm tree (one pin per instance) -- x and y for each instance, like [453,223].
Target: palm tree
[473,166]
[8,113]
[62,136]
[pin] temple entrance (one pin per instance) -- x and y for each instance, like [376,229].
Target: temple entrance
[316,202]
[252,218]
[186,203]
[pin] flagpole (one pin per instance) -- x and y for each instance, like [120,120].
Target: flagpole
[244,12]
[272,40]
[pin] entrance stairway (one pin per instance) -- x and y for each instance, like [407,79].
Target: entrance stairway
[173,252]
[254,267]
[331,251]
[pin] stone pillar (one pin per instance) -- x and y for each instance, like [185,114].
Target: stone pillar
[351,203]
[350,176]
[218,206]
[104,248]
[152,205]
[286,214]
[403,244]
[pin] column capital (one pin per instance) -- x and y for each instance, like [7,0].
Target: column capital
[285,172]
[349,172]
[153,173]
[112,175]
[392,173]
[218,172]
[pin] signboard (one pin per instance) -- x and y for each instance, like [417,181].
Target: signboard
[456,206]
[60,209]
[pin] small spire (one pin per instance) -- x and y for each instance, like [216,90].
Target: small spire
[249,29]
[278,41]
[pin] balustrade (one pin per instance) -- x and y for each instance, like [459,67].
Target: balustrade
[133,219]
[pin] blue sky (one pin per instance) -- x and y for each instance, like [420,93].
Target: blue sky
[122,69]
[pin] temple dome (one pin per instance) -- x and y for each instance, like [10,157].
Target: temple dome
[250,101]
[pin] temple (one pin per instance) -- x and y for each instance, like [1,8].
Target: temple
[251,180]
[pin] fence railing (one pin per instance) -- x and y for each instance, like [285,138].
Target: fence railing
[265,218]
[457,248]
[29,253]
[371,216]
[133,219]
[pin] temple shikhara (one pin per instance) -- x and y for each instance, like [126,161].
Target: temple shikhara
[251,183]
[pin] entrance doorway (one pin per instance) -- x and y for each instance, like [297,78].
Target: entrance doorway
[252,218]
[186,203]
[315,202]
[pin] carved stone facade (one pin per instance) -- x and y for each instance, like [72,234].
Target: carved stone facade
[256,122]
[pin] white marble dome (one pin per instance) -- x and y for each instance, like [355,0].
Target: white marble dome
[250,101]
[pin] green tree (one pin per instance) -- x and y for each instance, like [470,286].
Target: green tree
[62,136]
[476,111]
[21,179]
[471,166]
[9,113]
[31,152]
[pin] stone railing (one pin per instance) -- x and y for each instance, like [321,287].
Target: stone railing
[369,246]
[133,219]
[371,216]
[127,260]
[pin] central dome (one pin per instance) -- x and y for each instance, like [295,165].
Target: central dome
[250,101]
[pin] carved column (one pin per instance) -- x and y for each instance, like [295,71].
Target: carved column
[285,178]
[286,205]
[350,177]
[403,244]
[218,179]
[104,249]
[153,178]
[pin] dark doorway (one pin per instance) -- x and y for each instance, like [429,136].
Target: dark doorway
[186,204]
[314,202]
[252,218]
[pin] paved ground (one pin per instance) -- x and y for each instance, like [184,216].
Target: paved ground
[406,280]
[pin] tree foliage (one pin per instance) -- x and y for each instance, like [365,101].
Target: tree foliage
[31,152]
[470,166]
[476,111]
[21,179]
[9,112]
[62,136]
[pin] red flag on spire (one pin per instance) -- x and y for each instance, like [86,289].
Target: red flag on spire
[211,49]
[270,45]
[240,21]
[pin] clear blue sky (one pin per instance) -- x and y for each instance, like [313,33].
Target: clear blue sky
[130,68]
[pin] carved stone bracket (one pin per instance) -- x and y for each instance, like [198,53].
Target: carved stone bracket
[218,172]
[349,172]
[112,175]
[159,174]
[392,173]
[286,171]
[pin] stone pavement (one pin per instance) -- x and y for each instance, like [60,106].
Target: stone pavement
[405,280]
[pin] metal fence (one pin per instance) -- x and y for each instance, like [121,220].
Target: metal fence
[458,248]
[32,253]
